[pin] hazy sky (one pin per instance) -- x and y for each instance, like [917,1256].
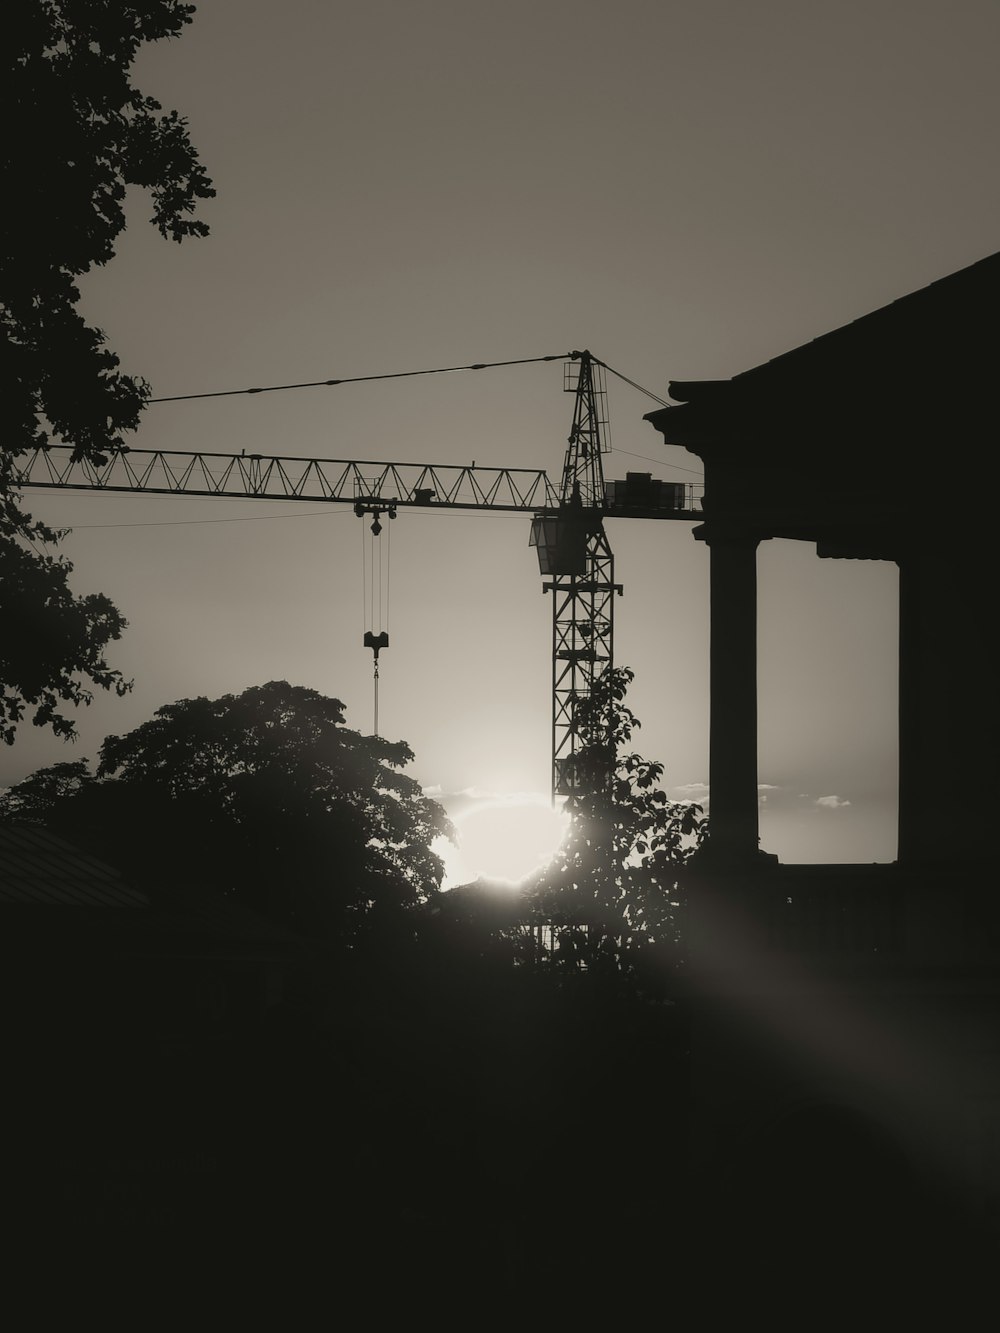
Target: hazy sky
[685,188]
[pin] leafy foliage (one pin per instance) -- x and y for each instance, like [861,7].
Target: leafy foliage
[265,796]
[33,800]
[53,640]
[610,901]
[79,133]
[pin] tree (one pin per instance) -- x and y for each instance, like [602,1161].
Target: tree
[265,797]
[610,901]
[34,800]
[54,640]
[83,134]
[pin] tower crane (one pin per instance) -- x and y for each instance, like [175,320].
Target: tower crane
[574,554]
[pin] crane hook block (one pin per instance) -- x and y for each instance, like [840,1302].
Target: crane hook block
[376,641]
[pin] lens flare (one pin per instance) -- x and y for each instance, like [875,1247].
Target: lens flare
[505,838]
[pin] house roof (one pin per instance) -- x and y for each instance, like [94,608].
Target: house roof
[941,336]
[40,869]
[832,441]
[829,441]
[59,895]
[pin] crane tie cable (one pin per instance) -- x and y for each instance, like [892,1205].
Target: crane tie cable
[649,394]
[361,379]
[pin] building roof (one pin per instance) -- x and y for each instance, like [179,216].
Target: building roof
[832,441]
[37,868]
[942,334]
[54,894]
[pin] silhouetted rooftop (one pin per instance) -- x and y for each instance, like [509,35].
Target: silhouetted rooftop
[41,873]
[945,324]
[38,868]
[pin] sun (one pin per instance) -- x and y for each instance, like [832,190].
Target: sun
[504,838]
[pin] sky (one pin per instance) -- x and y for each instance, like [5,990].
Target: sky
[685,188]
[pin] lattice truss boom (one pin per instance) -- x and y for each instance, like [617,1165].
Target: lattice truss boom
[260,477]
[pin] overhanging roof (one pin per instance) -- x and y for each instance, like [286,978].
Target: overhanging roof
[928,348]
[830,441]
[39,869]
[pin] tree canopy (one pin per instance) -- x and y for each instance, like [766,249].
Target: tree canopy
[54,640]
[265,796]
[79,134]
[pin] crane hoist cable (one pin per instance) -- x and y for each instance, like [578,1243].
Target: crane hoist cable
[375,584]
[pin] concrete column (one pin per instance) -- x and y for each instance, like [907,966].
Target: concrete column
[912,816]
[733,683]
[949,716]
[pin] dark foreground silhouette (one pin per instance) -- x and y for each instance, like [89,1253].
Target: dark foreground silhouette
[406,1130]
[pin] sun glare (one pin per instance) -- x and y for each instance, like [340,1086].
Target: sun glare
[505,838]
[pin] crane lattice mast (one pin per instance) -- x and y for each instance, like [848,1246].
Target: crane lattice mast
[573,548]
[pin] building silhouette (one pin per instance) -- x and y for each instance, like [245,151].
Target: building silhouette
[136,1029]
[846,1018]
